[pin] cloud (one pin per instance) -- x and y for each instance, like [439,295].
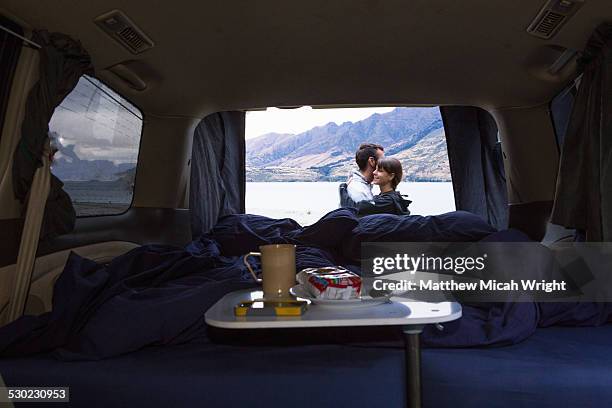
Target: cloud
[98,127]
[116,155]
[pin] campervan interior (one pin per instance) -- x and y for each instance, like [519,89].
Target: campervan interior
[178,78]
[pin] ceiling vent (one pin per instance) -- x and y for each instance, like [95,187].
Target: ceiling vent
[123,30]
[553,15]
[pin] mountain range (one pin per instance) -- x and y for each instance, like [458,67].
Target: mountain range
[415,136]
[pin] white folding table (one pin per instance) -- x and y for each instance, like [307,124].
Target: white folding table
[411,316]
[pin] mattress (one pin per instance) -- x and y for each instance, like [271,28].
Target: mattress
[555,367]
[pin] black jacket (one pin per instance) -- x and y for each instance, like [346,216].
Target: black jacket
[391,202]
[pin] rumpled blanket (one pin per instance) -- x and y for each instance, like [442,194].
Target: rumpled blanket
[157,295]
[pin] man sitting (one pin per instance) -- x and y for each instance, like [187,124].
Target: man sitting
[359,185]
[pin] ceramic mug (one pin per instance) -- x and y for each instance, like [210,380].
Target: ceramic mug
[278,269]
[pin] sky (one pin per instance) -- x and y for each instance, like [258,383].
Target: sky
[302,119]
[101,128]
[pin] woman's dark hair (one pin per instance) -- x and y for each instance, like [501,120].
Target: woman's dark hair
[365,151]
[391,165]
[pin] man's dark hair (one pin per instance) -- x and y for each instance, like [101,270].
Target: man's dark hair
[365,151]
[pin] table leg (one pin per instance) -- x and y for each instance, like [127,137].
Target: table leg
[412,353]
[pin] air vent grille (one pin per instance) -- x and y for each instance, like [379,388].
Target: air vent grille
[123,30]
[132,38]
[549,22]
[552,16]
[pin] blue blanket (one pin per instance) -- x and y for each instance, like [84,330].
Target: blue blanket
[155,295]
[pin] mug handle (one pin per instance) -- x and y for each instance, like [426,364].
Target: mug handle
[246,263]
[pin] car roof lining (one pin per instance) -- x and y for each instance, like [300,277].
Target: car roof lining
[214,56]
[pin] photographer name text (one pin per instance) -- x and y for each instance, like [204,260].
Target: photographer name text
[482,285]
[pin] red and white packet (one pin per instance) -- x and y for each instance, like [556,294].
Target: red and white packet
[331,283]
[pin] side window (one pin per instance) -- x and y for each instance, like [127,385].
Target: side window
[97,136]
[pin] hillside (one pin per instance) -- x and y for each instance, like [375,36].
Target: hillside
[326,153]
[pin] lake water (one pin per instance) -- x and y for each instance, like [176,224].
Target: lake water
[99,197]
[306,202]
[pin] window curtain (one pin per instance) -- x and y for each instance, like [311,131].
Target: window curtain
[217,185]
[583,198]
[560,110]
[62,62]
[476,163]
[10,49]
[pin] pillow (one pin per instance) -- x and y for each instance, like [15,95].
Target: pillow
[456,226]
[238,234]
[330,231]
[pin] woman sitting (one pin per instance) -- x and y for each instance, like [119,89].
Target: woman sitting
[387,176]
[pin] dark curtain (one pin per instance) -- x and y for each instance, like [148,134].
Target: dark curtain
[583,199]
[10,49]
[476,163]
[62,62]
[217,184]
[560,112]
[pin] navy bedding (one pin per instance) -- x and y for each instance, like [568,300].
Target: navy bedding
[157,295]
[555,367]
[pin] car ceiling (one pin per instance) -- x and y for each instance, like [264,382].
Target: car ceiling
[222,55]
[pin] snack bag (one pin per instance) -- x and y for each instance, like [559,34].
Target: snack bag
[331,283]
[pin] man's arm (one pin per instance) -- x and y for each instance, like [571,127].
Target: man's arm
[381,204]
[358,192]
